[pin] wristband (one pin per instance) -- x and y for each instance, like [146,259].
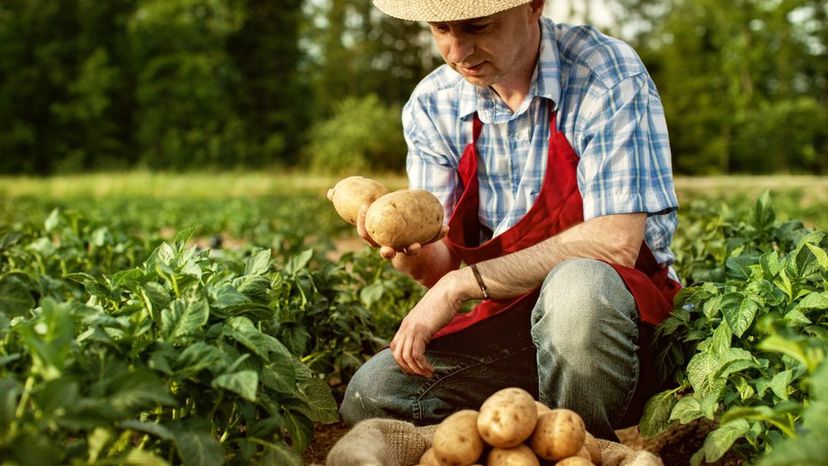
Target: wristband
[480,281]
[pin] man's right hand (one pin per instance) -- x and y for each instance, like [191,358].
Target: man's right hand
[387,252]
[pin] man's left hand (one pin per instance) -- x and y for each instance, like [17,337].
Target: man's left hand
[434,311]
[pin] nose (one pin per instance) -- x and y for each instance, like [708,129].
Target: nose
[460,46]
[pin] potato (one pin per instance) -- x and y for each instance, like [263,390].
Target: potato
[428,458]
[456,441]
[507,418]
[519,456]
[574,461]
[591,444]
[584,453]
[542,408]
[351,193]
[558,434]
[404,217]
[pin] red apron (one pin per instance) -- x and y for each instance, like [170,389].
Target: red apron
[558,206]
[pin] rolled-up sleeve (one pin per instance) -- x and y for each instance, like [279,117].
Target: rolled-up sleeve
[625,164]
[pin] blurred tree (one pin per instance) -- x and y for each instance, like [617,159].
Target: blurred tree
[273,97]
[357,51]
[744,83]
[362,134]
[61,99]
[185,112]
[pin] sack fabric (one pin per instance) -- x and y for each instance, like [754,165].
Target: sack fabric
[388,442]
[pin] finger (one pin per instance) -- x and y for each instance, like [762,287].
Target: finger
[422,361]
[361,230]
[330,194]
[413,249]
[398,356]
[408,357]
[387,252]
[443,233]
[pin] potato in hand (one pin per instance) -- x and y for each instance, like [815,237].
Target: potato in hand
[405,217]
[350,194]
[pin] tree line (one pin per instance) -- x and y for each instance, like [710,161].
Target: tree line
[318,84]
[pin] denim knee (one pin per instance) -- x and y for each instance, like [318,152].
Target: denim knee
[371,392]
[585,329]
[575,298]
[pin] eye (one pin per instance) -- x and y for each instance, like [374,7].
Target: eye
[477,28]
[439,27]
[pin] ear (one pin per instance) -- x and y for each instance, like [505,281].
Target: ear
[537,8]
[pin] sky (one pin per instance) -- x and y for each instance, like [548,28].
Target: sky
[560,11]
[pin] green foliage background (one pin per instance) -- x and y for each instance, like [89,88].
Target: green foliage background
[178,84]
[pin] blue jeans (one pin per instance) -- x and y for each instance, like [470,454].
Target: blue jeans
[579,349]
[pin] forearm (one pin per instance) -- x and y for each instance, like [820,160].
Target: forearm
[615,238]
[432,262]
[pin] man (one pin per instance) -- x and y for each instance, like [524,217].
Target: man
[547,145]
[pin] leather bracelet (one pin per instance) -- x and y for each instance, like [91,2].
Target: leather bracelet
[480,281]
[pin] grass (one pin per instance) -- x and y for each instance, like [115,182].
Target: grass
[803,196]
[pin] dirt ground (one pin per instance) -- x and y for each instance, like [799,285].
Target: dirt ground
[675,447]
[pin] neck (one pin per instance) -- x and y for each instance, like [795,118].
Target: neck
[513,89]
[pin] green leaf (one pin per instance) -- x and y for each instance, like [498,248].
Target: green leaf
[702,373]
[242,330]
[656,416]
[739,267]
[720,440]
[141,457]
[784,283]
[58,395]
[279,454]
[720,341]
[139,390]
[96,441]
[280,376]
[781,382]
[686,409]
[198,448]
[317,394]
[814,300]
[155,296]
[184,319]
[152,428]
[52,221]
[243,383]
[15,297]
[742,317]
[298,262]
[777,344]
[258,263]
[10,390]
[199,356]
[820,254]
[300,429]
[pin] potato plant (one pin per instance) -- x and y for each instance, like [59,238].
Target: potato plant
[748,335]
[112,352]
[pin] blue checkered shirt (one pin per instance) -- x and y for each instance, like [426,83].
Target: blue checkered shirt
[608,109]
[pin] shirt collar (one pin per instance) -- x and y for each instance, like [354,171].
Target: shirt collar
[546,83]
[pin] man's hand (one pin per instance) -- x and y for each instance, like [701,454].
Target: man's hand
[388,252]
[439,305]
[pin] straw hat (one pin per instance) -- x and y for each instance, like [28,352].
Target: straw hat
[444,10]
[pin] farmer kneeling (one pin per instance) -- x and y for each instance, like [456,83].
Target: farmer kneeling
[547,146]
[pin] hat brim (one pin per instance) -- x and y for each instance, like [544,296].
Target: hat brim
[434,11]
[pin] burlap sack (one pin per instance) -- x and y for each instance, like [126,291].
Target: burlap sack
[386,442]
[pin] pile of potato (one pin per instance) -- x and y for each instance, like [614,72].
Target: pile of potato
[397,219]
[512,429]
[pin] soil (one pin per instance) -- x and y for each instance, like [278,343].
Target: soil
[675,446]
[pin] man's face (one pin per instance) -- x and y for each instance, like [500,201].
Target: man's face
[486,50]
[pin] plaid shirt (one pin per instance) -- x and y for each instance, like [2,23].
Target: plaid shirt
[608,108]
